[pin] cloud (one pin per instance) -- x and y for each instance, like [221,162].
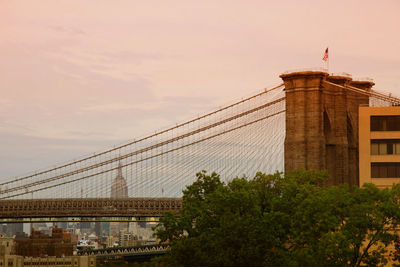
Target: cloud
[68,30]
[5,104]
[157,104]
[106,72]
[118,107]
[33,153]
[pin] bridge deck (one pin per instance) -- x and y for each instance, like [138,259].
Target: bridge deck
[89,207]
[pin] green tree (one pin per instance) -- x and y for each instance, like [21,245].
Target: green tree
[271,220]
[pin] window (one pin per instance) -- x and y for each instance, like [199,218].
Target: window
[385,146]
[383,149]
[397,148]
[385,123]
[385,170]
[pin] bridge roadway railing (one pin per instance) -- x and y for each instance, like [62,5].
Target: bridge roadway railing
[125,251]
[87,207]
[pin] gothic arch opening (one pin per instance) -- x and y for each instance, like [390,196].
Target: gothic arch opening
[327,127]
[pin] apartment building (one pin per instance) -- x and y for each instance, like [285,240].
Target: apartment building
[379,145]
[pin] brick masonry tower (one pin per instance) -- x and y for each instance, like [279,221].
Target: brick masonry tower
[322,123]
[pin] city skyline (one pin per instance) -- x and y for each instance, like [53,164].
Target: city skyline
[81,77]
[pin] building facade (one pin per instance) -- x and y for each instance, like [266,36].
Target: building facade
[119,189]
[379,145]
[38,244]
[73,261]
[6,245]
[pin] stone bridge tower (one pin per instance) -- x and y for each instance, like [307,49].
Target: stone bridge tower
[322,123]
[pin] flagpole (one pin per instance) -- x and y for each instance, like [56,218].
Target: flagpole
[328,60]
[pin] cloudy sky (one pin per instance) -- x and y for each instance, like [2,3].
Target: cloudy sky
[77,77]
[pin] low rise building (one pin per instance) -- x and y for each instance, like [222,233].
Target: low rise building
[379,145]
[6,245]
[72,261]
[130,240]
[38,244]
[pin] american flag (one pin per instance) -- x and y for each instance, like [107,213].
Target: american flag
[325,58]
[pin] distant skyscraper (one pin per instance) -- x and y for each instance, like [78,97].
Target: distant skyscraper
[119,189]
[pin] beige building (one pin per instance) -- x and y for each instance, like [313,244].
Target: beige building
[130,240]
[379,145]
[72,261]
[6,245]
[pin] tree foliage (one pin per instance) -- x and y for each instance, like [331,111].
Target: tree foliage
[287,220]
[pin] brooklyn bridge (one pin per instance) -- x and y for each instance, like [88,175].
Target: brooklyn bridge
[285,127]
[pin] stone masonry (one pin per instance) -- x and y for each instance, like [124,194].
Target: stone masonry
[322,124]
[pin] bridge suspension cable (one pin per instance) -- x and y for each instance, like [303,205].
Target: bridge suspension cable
[238,139]
[375,95]
[163,163]
[141,139]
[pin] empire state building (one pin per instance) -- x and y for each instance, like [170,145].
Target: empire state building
[118,186]
[119,189]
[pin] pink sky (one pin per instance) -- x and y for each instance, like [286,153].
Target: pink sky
[81,76]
